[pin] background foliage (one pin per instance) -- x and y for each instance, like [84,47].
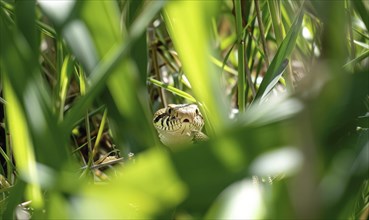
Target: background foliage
[283,86]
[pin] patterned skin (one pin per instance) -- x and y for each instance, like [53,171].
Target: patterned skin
[179,124]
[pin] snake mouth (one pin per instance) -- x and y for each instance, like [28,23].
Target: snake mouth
[186,120]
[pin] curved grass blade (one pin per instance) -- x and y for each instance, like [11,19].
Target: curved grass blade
[223,65]
[173,90]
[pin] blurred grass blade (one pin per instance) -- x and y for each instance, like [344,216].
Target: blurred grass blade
[110,61]
[362,11]
[225,60]
[260,115]
[22,146]
[241,200]
[20,64]
[150,183]
[81,42]
[150,10]
[193,49]
[95,65]
[279,61]
[223,65]
[128,110]
[173,90]
[26,21]
[58,11]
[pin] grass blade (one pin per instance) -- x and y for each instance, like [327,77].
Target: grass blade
[173,90]
[275,12]
[279,61]
[22,145]
[356,60]
[241,59]
[361,9]
[193,49]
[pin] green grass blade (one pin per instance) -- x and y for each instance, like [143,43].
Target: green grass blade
[241,57]
[173,90]
[361,44]
[100,132]
[22,145]
[262,31]
[20,63]
[279,61]
[275,12]
[103,70]
[361,9]
[360,32]
[9,162]
[193,49]
[26,21]
[223,64]
[63,82]
[356,60]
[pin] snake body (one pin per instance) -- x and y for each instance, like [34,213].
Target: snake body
[179,124]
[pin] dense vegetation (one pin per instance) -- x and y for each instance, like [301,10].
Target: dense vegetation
[283,86]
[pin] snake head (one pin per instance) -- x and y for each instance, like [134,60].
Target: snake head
[178,121]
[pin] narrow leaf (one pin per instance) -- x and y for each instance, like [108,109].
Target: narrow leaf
[173,90]
[278,63]
[364,14]
[22,145]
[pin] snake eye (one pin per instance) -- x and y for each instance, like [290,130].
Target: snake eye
[170,110]
[197,112]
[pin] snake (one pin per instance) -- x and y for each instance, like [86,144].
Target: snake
[179,124]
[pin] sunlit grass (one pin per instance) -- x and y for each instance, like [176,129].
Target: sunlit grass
[283,86]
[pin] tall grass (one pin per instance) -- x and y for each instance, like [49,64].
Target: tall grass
[283,86]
